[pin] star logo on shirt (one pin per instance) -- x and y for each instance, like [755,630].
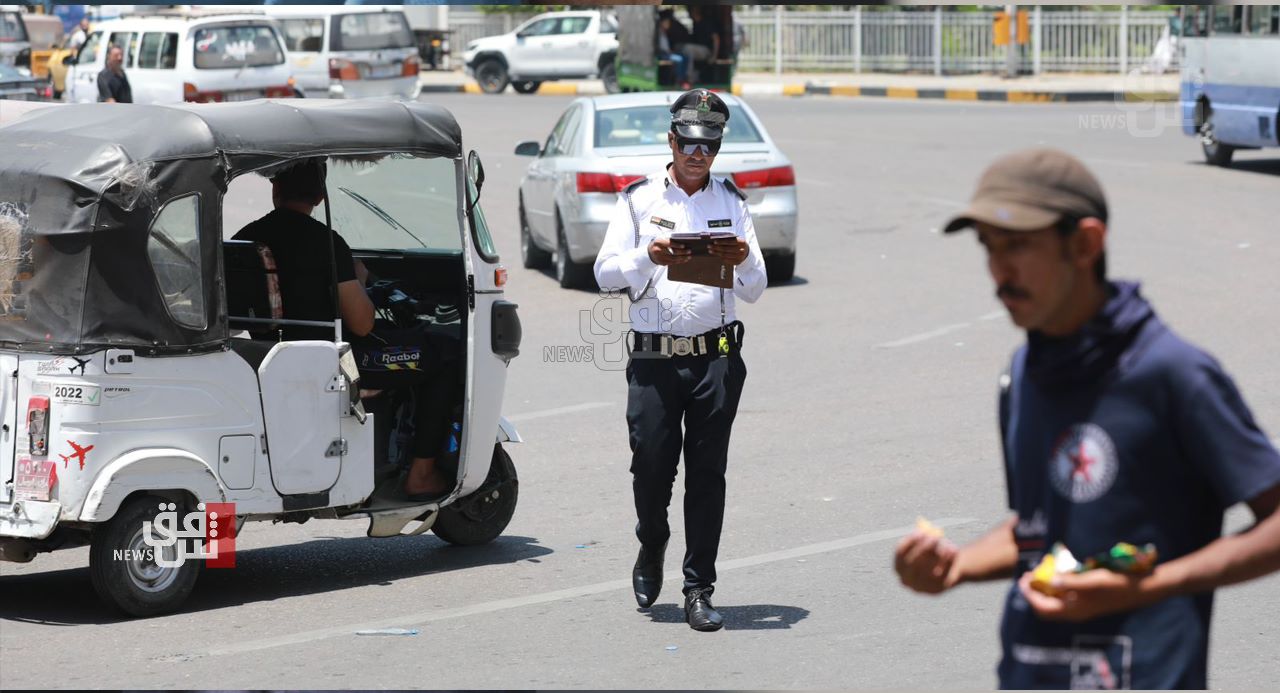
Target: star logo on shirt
[1084,463]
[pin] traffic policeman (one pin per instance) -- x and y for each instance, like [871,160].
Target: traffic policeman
[686,363]
[1115,430]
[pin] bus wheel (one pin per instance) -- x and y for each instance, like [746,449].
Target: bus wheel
[1215,152]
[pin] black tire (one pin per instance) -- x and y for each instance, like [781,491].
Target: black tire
[492,76]
[531,256]
[1215,153]
[481,517]
[526,87]
[570,274]
[609,75]
[137,587]
[780,268]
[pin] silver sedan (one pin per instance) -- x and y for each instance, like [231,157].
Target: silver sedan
[601,144]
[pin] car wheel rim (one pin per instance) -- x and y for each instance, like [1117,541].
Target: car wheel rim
[146,574]
[1207,137]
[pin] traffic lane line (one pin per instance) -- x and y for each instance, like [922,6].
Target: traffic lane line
[544,413]
[424,617]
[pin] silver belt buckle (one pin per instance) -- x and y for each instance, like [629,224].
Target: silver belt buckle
[682,346]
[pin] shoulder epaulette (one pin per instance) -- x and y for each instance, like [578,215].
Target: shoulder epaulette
[728,183]
[631,187]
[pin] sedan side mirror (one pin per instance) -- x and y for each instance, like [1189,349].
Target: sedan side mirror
[528,148]
[68,59]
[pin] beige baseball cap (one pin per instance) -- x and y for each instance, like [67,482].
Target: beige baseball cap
[1030,190]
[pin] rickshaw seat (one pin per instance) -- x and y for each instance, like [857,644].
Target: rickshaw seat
[253,288]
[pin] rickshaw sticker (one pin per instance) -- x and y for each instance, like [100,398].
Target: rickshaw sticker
[116,391]
[34,479]
[77,453]
[90,395]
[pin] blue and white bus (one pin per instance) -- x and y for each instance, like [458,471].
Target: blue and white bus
[1230,92]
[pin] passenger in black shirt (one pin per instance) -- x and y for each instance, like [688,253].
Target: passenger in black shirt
[113,84]
[300,247]
[705,45]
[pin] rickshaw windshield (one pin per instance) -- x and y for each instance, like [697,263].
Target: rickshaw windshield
[400,202]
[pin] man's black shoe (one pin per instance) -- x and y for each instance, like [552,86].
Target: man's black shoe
[646,577]
[698,611]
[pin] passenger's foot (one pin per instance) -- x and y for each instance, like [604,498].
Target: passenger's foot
[699,613]
[424,482]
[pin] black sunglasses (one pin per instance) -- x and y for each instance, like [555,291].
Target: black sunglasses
[688,147]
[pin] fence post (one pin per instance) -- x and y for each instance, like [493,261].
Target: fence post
[937,40]
[857,38]
[1035,41]
[777,39]
[1011,48]
[1124,39]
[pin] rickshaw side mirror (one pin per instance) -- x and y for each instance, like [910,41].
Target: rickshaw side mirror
[476,169]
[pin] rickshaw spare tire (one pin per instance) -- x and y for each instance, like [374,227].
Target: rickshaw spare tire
[482,516]
[526,87]
[130,585]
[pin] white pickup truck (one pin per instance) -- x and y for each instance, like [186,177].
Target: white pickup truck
[551,46]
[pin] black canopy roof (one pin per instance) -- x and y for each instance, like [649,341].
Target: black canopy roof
[80,186]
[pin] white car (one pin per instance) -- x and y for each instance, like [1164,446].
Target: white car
[551,46]
[600,144]
[187,58]
[349,52]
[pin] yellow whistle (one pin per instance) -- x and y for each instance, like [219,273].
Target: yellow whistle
[724,344]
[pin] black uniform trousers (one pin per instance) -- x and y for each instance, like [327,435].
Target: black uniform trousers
[703,392]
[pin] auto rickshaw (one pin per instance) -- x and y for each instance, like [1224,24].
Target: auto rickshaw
[145,374]
[642,67]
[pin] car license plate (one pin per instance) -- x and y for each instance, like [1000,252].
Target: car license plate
[34,479]
[243,95]
[385,71]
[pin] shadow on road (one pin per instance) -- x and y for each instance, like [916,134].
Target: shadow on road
[1263,166]
[66,597]
[741,617]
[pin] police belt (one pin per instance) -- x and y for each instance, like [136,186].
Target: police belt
[705,344]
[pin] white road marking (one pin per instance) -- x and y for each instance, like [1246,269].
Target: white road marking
[941,201]
[573,409]
[941,331]
[424,617]
[923,337]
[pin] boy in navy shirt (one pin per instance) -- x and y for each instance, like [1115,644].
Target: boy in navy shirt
[1114,430]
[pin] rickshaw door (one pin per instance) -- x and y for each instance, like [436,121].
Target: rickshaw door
[302,400]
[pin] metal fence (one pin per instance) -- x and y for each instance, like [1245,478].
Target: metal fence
[940,42]
[946,42]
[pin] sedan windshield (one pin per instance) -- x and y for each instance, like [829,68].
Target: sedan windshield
[641,125]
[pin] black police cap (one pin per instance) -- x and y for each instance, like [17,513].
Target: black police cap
[699,114]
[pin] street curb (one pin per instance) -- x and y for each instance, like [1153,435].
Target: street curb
[995,95]
[810,89]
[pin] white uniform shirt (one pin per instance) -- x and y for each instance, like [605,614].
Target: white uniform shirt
[661,209]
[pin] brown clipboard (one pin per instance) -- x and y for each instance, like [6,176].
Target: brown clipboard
[704,268]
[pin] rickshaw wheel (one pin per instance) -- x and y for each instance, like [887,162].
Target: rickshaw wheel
[135,585]
[481,517]
[526,87]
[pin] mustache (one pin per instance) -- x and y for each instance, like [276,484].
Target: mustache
[1007,290]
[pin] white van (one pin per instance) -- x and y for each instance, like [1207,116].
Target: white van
[15,44]
[186,58]
[349,52]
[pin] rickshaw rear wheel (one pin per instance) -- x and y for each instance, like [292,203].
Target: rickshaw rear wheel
[527,87]
[481,517]
[128,582]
